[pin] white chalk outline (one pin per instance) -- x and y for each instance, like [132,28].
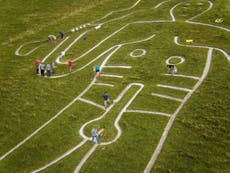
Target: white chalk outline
[205,72]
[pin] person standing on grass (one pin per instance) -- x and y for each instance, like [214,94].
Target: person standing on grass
[48,70]
[70,64]
[97,69]
[106,99]
[61,34]
[94,133]
[37,63]
[53,67]
[42,69]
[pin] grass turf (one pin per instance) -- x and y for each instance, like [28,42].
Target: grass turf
[199,139]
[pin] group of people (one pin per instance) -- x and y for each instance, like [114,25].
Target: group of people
[42,69]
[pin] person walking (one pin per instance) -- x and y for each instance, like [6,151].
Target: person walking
[94,133]
[97,69]
[70,64]
[42,69]
[48,70]
[106,99]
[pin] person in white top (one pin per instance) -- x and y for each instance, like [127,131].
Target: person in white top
[95,134]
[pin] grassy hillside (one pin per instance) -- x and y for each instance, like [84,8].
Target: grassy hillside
[199,138]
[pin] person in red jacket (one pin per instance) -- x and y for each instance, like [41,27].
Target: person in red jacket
[70,64]
[37,63]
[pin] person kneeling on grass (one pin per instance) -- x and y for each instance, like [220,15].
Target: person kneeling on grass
[51,37]
[94,133]
[172,69]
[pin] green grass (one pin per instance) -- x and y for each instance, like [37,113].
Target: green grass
[199,138]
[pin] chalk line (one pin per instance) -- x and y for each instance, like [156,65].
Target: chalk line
[111,75]
[104,84]
[92,103]
[161,3]
[174,87]
[167,97]
[149,112]
[181,75]
[85,158]
[172,13]
[126,67]
[209,8]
